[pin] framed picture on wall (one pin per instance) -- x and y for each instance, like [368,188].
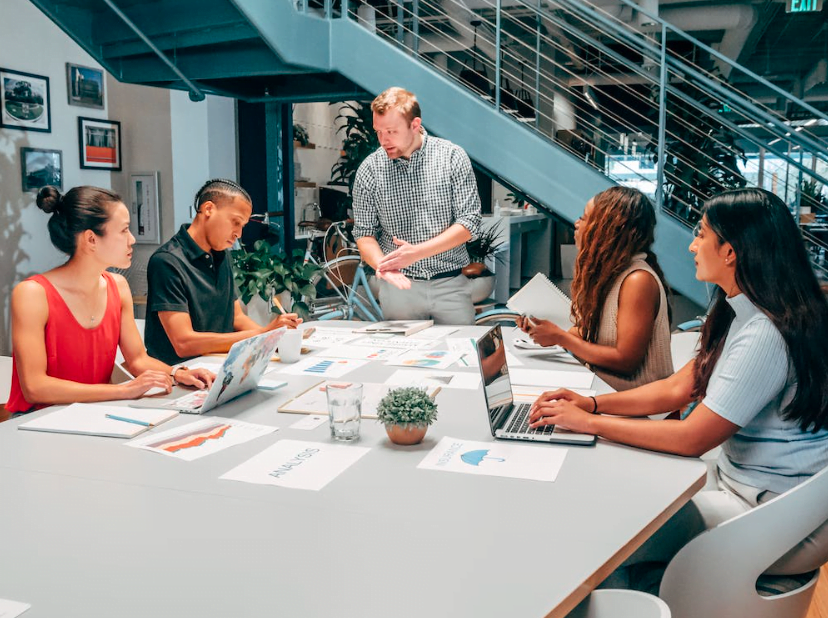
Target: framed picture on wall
[100,144]
[41,167]
[144,221]
[24,101]
[85,86]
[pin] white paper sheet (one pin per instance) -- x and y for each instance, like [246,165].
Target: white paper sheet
[297,464]
[315,399]
[520,461]
[551,378]
[397,342]
[360,352]
[426,377]
[201,438]
[91,419]
[530,393]
[320,366]
[427,359]
[327,337]
[12,609]
[310,422]
[435,332]
[465,346]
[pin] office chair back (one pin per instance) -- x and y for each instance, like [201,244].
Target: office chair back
[620,604]
[715,574]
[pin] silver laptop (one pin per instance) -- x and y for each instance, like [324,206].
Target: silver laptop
[240,373]
[507,419]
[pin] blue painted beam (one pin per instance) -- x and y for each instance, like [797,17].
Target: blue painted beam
[301,39]
[182,40]
[164,18]
[205,63]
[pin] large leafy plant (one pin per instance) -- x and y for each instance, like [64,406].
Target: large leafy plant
[358,142]
[261,272]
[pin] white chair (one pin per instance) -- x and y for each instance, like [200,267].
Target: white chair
[620,604]
[5,385]
[5,378]
[140,323]
[715,574]
[683,348]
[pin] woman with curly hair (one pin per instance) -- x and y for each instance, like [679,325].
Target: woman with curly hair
[619,295]
[759,381]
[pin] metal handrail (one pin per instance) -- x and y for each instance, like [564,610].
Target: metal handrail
[677,80]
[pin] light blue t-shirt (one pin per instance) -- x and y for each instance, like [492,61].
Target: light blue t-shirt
[752,383]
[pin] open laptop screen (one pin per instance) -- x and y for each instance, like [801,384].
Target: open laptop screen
[491,352]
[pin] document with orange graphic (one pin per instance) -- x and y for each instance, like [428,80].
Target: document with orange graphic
[201,438]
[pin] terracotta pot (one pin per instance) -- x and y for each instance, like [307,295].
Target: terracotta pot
[474,269]
[406,434]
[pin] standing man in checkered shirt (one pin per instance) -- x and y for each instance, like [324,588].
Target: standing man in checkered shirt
[415,206]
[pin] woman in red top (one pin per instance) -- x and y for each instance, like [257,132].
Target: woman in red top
[68,322]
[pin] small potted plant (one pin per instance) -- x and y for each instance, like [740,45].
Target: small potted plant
[480,249]
[406,413]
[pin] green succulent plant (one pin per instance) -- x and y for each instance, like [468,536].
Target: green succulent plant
[408,405]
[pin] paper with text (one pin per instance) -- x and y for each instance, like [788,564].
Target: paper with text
[297,464]
[320,366]
[425,377]
[519,461]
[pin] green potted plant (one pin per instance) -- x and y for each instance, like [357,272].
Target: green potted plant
[406,413]
[261,273]
[480,249]
[358,142]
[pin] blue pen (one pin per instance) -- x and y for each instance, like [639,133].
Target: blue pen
[129,420]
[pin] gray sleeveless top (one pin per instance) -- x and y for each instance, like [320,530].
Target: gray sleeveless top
[658,361]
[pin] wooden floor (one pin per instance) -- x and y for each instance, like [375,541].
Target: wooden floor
[819,606]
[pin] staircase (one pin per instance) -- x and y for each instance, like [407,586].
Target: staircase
[587,96]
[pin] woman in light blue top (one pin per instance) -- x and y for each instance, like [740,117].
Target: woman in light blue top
[759,381]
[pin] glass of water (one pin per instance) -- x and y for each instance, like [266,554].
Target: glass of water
[344,409]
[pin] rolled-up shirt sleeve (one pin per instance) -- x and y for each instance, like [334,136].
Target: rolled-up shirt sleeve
[366,219]
[750,374]
[465,199]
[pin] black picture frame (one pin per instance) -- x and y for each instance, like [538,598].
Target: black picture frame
[99,142]
[40,167]
[25,102]
[85,86]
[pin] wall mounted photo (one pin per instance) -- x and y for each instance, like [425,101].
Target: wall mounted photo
[100,144]
[85,86]
[143,217]
[41,167]
[24,101]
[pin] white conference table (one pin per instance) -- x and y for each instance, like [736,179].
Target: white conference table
[92,529]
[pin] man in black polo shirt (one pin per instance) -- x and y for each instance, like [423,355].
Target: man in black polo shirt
[191,305]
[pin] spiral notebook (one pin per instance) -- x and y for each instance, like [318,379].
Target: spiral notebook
[543,299]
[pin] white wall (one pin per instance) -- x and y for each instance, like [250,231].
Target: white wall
[187,143]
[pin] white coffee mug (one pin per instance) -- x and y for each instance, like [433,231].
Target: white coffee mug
[290,346]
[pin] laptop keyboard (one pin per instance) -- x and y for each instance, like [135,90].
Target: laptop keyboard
[519,422]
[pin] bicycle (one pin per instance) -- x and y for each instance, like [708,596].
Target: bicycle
[342,287]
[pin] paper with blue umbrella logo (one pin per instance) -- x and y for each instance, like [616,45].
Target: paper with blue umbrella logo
[520,461]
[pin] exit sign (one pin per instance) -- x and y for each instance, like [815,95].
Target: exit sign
[803,6]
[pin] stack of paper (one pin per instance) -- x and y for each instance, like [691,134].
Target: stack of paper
[97,420]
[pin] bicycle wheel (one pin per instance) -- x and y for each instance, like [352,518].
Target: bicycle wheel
[502,316]
[333,286]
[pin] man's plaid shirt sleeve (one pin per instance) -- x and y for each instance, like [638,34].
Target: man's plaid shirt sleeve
[465,199]
[366,220]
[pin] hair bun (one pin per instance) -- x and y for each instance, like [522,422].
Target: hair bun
[49,199]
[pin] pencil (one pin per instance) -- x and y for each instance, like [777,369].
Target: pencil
[129,420]
[278,305]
